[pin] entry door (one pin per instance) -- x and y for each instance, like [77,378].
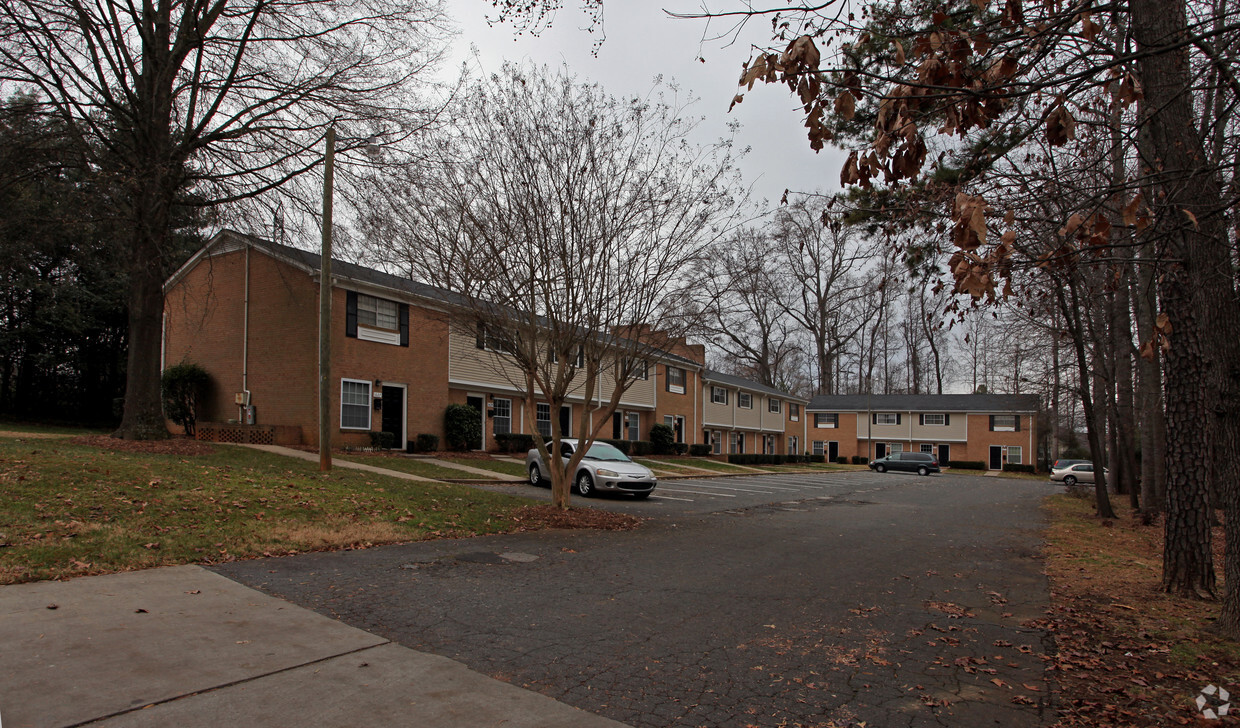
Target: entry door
[996,457]
[880,450]
[394,414]
[479,404]
[566,421]
[679,428]
[833,451]
[944,454]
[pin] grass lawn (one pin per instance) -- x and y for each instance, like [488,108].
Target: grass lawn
[499,466]
[1128,654]
[663,464]
[701,463]
[71,509]
[40,429]
[413,466]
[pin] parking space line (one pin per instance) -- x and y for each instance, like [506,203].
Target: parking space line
[748,490]
[668,497]
[698,492]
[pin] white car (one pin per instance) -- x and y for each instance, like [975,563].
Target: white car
[602,468]
[1081,472]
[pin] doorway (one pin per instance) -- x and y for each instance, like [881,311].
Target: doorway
[880,450]
[996,457]
[944,454]
[833,451]
[393,419]
[479,402]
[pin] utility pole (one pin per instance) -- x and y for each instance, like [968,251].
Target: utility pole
[325,307]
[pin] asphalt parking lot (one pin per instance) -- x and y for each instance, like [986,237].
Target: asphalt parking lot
[771,600]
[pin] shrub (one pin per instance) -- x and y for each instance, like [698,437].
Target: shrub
[1018,468]
[860,460]
[515,442]
[842,460]
[681,448]
[382,440]
[462,427]
[662,439]
[967,464]
[699,450]
[751,458]
[815,458]
[182,386]
[640,447]
[425,443]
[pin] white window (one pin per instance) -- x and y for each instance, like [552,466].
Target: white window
[635,426]
[936,419]
[718,395]
[927,448]
[1014,454]
[502,422]
[542,419]
[744,400]
[580,361]
[819,447]
[895,447]
[772,405]
[354,404]
[826,420]
[886,418]
[733,442]
[793,444]
[676,380]
[716,441]
[670,421]
[794,411]
[376,312]
[1003,423]
[638,368]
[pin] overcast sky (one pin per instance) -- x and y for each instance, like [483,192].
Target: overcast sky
[642,42]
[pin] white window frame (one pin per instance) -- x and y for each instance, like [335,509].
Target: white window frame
[496,416]
[744,400]
[372,309]
[716,393]
[793,444]
[1008,451]
[365,383]
[638,368]
[773,405]
[926,419]
[823,424]
[794,412]
[895,447]
[539,420]
[927,448]
[633,425]
[716,442]
[672,385]
[732,442]
[886,418]
[820,447]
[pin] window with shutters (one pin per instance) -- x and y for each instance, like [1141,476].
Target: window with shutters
[1003,423]
[886,418]
[827,420]
[936,419]
[376,313]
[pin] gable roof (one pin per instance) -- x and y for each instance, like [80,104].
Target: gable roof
[924,403]
[710,375]
[308,261]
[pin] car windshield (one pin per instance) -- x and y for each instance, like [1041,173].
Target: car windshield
[605,452]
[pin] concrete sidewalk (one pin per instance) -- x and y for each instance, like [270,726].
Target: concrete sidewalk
[184,646]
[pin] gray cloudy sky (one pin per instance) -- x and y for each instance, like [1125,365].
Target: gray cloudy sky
[642,42]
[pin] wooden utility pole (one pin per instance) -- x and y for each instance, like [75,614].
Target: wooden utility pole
[325,308]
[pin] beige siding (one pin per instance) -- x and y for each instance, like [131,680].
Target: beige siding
[639,394]
[467,364]
[751,418]
[957,430]
[717,414]
[883,432]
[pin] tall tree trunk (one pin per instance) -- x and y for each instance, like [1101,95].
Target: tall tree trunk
[1126,444]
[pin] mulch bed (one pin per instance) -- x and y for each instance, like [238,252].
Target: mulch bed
[173,446]
[537,518]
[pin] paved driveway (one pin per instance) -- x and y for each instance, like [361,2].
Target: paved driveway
[770,600]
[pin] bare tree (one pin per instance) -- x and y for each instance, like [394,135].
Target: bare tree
[568,222]
[206,103]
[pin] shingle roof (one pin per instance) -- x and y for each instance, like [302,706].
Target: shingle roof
[352,271]
[711,375]
[924,403]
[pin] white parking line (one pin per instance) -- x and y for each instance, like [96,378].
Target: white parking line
[668,497]
[697,492]
[747,490]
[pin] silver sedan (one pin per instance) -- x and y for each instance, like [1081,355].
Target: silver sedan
[1081,472]
[602,468]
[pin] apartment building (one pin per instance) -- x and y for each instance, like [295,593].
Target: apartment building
[246,310]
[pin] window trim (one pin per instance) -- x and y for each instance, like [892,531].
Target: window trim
[925,419]
[794,412]
[774,405]
[497,416]
[671,386]
[538,408]
[715,390]
[827,424]
[744,400]
[633,425]
[895,418]
[996,427]
[361,297]
[369,396]
[1007,455]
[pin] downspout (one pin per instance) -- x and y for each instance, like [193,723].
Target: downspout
[245,336]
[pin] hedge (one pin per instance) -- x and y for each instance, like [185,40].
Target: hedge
[699,450]
[621,445]
[382,440]
[462,427]
[764,459]
[662,439]
[842,460]
[681,448]
[1018,468]
[860,460]
[423,443]
[966,464]
[514,442]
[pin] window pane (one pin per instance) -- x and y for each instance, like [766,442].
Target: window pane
[542,417]
[355,404]
[503,416]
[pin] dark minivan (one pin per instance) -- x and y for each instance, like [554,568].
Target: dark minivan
[912,462]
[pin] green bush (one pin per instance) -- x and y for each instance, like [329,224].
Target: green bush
[639,448]
[967,464]
[382,440]
[1018,468]
[753,458]
[699,450]
[842,460]
[681,448]
[182,386]
[860,460]
[515,442]
[662,439]
[424,443]
[462,427]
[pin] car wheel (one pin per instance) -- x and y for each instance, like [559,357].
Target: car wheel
[923,470]
[1069,480]
[536,478]
[585,486]
[880,468]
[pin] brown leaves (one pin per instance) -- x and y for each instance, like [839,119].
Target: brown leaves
[1159,340]
[969,214]
[846,105]
[1060,126]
